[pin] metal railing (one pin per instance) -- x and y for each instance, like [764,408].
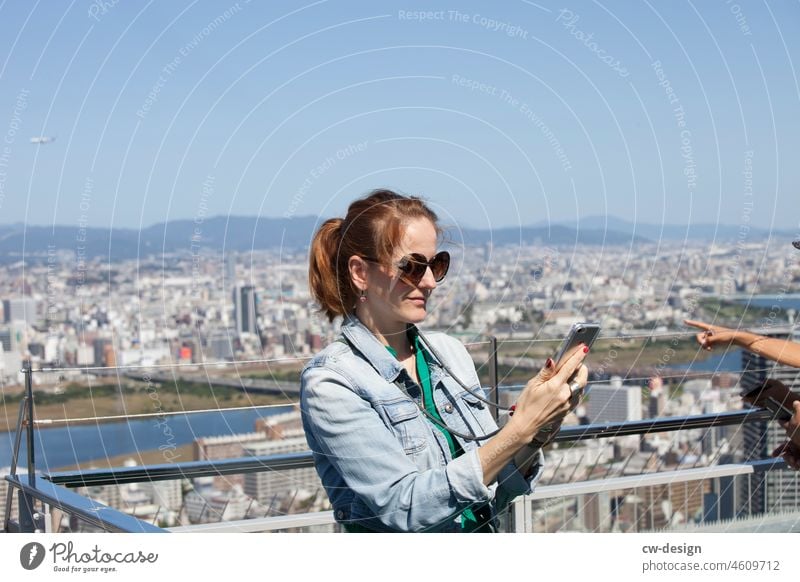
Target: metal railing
[39,494]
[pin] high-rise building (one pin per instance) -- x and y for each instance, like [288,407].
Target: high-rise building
[21,309]
[103,352]
[244,309]
[658,398]
[219,345]
[230,270]
[769,491]
[614,402]
[7,340]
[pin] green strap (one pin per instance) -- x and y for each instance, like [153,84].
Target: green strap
[469,522]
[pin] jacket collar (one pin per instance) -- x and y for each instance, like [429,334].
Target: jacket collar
[371,348]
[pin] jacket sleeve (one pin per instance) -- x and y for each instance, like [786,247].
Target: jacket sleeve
[511,483]
[350,434]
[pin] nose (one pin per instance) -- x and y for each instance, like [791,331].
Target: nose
[428,281]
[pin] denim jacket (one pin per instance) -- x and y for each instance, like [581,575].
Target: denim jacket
[383,464]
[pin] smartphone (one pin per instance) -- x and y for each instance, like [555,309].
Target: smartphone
[580,333]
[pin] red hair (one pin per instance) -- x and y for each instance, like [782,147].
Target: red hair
[374,225]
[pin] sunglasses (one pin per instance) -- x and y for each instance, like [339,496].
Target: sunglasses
[412,267]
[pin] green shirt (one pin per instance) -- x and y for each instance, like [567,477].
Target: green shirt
[469,523]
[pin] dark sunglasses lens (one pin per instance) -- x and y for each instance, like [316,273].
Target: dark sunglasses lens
[414,268]
[439,265]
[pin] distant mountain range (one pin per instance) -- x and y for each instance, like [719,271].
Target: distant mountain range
[243,233]
[676,232]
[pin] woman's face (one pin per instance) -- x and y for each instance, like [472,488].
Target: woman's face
[391,299]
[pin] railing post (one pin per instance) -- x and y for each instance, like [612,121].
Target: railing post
[14,458]
[494,394]
[30,519]
[520,509]
[27,370]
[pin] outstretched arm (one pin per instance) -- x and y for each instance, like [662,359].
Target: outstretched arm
[784,352]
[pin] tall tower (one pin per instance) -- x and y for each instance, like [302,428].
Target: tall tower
[244,309]
[230,270]
[769,491]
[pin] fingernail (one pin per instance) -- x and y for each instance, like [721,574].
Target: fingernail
[548,363]
[585,349]
[512,409]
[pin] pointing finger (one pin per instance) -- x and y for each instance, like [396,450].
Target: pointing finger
[699,324]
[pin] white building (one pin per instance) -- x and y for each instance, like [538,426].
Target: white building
[165,494]
[614,402]
[266,485]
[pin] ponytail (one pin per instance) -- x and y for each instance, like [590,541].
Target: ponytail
[328,276]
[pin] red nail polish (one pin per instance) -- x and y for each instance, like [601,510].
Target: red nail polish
[549,363]
[585,349]
[512,409]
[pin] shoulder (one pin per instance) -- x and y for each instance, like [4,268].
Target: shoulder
[452,354]
[444,343]
[331,353]
[334,367]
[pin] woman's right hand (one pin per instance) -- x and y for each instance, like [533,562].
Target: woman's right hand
[547,397]
[713,335]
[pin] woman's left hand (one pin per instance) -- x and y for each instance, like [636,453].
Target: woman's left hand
[792,426]
[790,452]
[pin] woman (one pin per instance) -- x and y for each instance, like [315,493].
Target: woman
[401,436]
[783,351]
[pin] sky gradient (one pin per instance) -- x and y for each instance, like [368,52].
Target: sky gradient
[500,115]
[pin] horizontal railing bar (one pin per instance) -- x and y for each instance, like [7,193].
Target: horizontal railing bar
[117,417]
[180,365]
[262,524]
[189,470]
[658,335]
[650,479]
[654,335]
[662,424]
[90,511]
[683,375]
[167,471]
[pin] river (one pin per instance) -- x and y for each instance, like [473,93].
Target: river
[64,446]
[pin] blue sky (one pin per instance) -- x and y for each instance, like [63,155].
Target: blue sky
[500,115]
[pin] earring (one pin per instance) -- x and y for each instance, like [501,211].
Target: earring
[363,297]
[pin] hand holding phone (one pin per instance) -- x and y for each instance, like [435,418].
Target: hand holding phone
[580,333]
[775,397]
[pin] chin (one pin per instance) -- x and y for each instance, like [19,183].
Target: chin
[416,314]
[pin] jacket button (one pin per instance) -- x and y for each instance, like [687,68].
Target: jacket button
[339,514]
[448,408]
